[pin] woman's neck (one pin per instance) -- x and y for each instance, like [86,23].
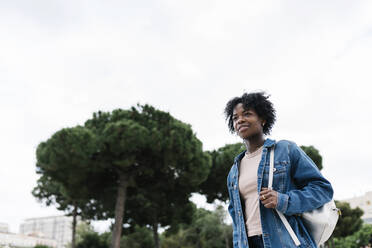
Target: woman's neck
[253,143]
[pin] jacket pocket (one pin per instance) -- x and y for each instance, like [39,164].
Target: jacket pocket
[279,177]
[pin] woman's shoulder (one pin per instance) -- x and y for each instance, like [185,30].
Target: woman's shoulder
[236,158]
[286,143]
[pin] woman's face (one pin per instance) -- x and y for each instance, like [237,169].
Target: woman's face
[246,122]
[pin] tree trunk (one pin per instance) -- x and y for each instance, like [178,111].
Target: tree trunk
[119,210]
[325,245]
[329,243]
[198,244]
[226,239]
[156,235]
[74,216]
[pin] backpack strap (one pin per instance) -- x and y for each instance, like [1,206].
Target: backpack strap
[281,216]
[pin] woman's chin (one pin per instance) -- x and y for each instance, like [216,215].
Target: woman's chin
[243,136]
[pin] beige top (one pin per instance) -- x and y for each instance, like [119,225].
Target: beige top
[248,191]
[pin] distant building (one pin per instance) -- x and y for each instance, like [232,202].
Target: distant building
[4,228]
[58,228]
[365,203]
[19,240]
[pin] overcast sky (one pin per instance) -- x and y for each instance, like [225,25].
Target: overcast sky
[60,61]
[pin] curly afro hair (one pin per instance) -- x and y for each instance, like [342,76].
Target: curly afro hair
[258,102]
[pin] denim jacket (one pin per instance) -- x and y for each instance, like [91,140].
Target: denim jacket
[300,186]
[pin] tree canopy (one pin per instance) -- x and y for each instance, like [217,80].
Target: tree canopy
[64,164]
[360,238]
[222,159]
[314,154]
[349,222]
[207,230]
[156,162]
[142,155]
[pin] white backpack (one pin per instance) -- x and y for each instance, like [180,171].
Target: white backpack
[319,222]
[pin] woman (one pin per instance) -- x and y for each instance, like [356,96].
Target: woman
[298,186]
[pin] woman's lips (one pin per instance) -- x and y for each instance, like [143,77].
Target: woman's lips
[243,128]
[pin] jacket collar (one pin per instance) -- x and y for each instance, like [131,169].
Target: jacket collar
[268,143]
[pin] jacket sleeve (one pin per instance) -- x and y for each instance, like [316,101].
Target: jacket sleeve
[313,190]
[233,216]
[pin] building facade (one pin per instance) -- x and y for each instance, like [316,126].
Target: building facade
[4,228]
[19,240]
[365,203]
[58,228]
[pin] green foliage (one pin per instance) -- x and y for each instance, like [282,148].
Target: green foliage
[349,222]
[123,142]
[141,238]
[87,237]
[130,154]
[51,192]
[150,147]
[207,230]
[360,238]
[314,154]
[64,164]
[222,159]
[93,240]
[69,146]
[82,229]
[41,246]
[137,237]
